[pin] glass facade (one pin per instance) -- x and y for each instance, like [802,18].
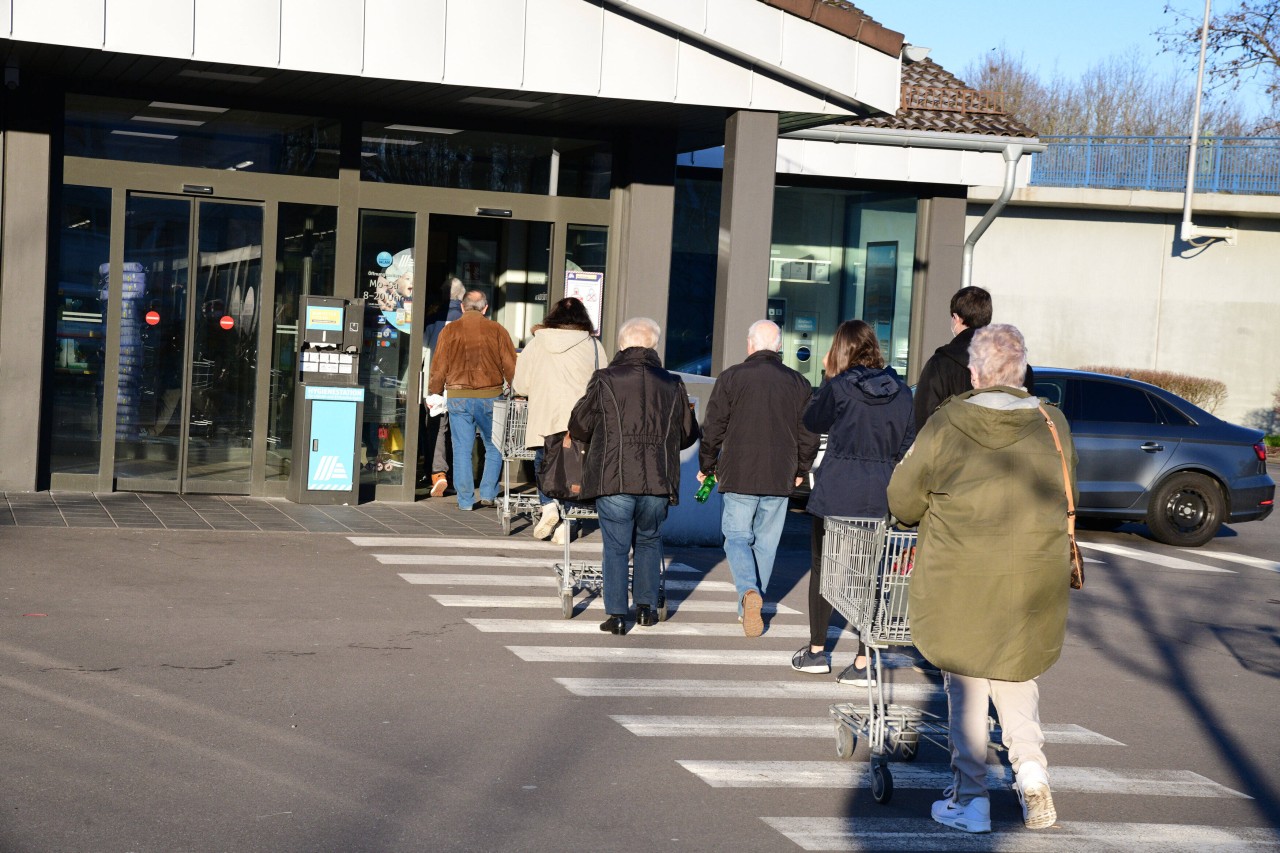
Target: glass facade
[80,337]
[478,160]
[201,136]
[305,248]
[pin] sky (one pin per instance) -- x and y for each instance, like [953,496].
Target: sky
[1051,35]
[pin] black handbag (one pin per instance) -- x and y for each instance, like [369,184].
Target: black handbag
[563,460]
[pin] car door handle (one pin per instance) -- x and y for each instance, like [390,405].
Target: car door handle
[1152,447]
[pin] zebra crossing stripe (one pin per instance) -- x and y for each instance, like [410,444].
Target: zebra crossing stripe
[643,725]
[892,834]
[1154,558]
[824,690]
[502,562]
[595,603]
[843,774]
[678,628]
[479,543]
[675,657]
[546,580]
[1242,559]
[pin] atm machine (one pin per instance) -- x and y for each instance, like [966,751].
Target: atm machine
[326,424]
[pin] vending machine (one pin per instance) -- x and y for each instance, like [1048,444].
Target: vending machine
[326,423]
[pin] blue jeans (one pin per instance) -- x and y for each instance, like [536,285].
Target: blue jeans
[467,415]
[627,521]
[752,526]
[543,500]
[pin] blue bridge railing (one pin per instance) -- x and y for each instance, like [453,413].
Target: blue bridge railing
[1230,164]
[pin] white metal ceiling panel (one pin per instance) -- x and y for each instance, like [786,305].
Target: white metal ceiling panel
[484,43]
[707,79]
[327,35]
[238,32]
[690,14]
[638,62]
[76,23]
[6,17]
[753,28]
[151,27]
[404,39]
[563,43]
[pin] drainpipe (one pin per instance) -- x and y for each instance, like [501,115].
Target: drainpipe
[1012,154]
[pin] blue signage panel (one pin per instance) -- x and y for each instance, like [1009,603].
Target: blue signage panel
[333,438]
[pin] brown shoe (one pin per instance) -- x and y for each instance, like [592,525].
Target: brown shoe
[438,484]
[752,621]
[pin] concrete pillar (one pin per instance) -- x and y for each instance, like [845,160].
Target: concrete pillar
[638,278]
[746,233]
[940,236]
[26,127]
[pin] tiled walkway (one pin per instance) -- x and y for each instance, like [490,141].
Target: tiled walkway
[432,517]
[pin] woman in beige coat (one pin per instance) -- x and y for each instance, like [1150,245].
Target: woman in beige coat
[985,483]
[552,371]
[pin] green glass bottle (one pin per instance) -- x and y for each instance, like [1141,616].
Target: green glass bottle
[704,491]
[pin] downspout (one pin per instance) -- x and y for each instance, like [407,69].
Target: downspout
[1012,154]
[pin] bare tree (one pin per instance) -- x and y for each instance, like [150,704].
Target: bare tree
[1243,44]
[1116,96]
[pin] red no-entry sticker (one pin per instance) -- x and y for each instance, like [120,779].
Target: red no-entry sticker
[153,317]
[227,321]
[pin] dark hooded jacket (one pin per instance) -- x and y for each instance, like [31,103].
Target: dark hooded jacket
[946,374]
[635,418]
[867,416]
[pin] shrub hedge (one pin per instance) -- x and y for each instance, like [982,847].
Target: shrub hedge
[1208,394]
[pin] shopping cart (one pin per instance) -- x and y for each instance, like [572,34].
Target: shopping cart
[576,576]
[866,567]
[510,416]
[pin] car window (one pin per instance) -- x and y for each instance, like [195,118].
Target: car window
[1052,391]
[1109,401]
[1171,416]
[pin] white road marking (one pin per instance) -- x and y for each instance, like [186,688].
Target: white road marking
[675,657]
[486,561]
[1155,559]
[444,579]
[1243,559]
[841,774]
[890,834]
[821,688]
[479,543]
[678,628]
[650,725]
[596,603]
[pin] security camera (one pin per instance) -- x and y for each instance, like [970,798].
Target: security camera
[11,76]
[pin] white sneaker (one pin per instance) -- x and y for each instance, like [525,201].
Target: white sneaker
[558,536]
[1032,787]
[974,817]
[546,524]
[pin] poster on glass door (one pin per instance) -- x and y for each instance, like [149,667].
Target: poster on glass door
[588,287]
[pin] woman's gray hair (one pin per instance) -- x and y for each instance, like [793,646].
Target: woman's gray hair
[457,289]
[639,332]
[765,336]
[998,355]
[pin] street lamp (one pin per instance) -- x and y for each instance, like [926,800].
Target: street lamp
[1190,232]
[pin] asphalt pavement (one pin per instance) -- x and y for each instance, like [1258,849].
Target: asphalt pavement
[407,682]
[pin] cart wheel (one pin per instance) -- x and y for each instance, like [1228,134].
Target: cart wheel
[846,741]
[662,609]
[881,783]
[566,605]
[908,751]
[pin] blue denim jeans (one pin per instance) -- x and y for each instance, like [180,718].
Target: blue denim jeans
[543,500]
[752,526]
[628,521]
[467,415]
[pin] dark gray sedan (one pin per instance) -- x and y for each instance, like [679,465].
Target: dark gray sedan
[1149,455]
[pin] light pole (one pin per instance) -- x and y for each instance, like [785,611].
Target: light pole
[1191,233]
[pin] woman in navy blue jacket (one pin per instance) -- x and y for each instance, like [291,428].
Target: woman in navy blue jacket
[866,411]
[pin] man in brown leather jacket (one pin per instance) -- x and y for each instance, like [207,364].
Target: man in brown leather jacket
[474,357]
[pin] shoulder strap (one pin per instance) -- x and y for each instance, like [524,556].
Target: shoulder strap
[1066,475]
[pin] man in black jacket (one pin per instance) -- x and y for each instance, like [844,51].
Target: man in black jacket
[946,373]
[753,441]
[635,418]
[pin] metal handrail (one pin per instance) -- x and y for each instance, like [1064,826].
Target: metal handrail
[1227,164]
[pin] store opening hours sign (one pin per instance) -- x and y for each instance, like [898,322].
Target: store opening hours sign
[587,287]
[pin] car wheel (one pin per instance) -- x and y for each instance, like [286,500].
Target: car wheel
[1186,510]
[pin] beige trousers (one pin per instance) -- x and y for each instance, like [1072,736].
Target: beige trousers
[1018,709]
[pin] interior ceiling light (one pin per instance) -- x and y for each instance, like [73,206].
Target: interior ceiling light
[144,135]
[194,108]
[383,140]
[414,128]
[500,102]
[241,165]
[190,122]
[221,75]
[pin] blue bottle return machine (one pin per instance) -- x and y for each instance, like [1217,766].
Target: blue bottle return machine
[326,426]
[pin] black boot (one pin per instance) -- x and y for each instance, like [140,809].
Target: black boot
[614,624]
[646,616]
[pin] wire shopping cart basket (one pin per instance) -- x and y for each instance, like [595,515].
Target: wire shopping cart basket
[866,569]
[510,417]
[576,576]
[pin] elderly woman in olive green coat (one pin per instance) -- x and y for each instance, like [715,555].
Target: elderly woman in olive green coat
[988,595]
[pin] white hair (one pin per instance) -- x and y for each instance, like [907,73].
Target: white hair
[998,355]
[457,289]
[765,335]
[639,332]
[474,300]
